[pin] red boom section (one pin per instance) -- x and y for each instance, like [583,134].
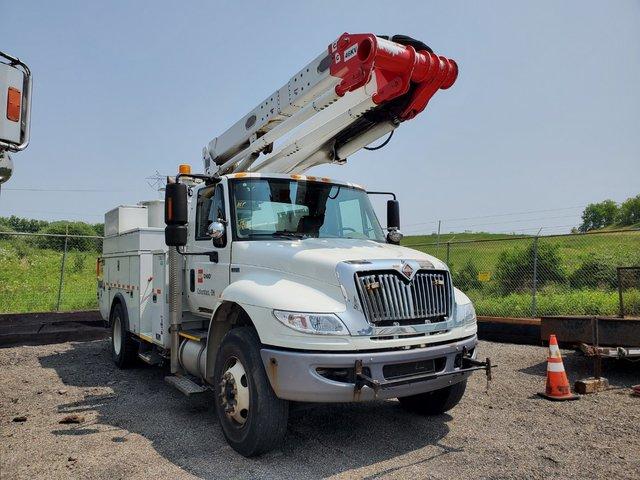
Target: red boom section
[356,57]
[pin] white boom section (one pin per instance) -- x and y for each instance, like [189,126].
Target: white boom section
[273,118]
[303,123]
[296,127]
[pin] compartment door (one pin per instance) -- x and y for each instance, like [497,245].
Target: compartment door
[159,295]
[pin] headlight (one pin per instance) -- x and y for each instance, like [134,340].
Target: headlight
[465,313]
[316,323]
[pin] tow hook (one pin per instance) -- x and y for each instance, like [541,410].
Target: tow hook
[362,380]
[468,364]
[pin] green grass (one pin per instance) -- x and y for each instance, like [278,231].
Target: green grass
[29,275]
[617,248]
[29,278]
[573,302]
[623,247]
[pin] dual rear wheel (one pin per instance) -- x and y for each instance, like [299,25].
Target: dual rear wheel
[124,349]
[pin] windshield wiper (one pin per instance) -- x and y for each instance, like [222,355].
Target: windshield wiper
[288,234]
[281,234]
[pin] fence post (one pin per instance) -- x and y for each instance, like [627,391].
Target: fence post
[534,287]
[448,252]
[620,299]
[64,259]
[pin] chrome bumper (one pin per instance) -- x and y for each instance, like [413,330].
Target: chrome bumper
[294,375]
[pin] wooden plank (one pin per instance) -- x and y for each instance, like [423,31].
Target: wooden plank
[509,330]
[50,327]
[613,331]
[510,320]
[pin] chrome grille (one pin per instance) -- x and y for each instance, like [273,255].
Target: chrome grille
[388,297]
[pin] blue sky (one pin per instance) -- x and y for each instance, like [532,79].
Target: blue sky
[544,117]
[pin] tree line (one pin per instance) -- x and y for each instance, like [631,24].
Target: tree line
[60,227]
[611,214]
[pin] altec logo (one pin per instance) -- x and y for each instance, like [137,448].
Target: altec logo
[200,275]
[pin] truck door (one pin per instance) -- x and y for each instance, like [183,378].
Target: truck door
[207,275]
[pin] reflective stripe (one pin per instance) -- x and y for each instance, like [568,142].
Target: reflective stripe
[554,351]
[555,367]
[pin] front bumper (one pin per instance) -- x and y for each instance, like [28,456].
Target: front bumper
[294,375]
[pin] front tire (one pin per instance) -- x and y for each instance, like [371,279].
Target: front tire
[253,419]
[436,402]
[123,348]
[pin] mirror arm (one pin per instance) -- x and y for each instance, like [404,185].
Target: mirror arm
[213,255]
[383,193]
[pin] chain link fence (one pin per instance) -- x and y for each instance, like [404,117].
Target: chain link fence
[628,287]
[532,276]
[574,274]
[48,272]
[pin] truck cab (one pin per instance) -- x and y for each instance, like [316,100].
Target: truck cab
[309,262]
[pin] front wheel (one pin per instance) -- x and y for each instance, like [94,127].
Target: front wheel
[436,402]
[253,419]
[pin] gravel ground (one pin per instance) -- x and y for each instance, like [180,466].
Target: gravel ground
[136,426]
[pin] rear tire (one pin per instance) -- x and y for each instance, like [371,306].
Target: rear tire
[436,402]
[123,348]
[253,419]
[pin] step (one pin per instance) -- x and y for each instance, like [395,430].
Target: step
[197,334]
[146,336]
[185,385]
[150,358]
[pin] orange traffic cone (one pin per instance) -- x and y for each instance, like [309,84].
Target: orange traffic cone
[557,382]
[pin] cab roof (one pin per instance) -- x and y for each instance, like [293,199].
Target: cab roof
[293,176]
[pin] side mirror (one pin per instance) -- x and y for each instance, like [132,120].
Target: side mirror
[175,204]
[216,230]
[393,215]
[394,234]
[175,235]
[175,214]
[6,166]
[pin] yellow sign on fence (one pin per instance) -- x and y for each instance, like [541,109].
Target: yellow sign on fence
[484,276]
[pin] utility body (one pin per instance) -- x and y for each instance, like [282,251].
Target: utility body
[267,285]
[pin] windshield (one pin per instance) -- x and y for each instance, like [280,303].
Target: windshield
[266,208]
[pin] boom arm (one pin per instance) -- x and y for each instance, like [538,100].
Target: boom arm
[361,89]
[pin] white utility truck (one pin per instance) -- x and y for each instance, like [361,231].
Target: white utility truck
[15,111]
[268,285]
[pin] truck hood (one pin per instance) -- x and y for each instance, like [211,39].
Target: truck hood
[317,258]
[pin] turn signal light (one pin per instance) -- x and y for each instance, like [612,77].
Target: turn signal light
[184,169]
[14,98]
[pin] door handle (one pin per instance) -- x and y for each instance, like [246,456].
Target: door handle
[192,280]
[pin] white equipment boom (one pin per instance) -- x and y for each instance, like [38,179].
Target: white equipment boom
[343,100]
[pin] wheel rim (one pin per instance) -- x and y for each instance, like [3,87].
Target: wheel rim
[234,392]
[117,335]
